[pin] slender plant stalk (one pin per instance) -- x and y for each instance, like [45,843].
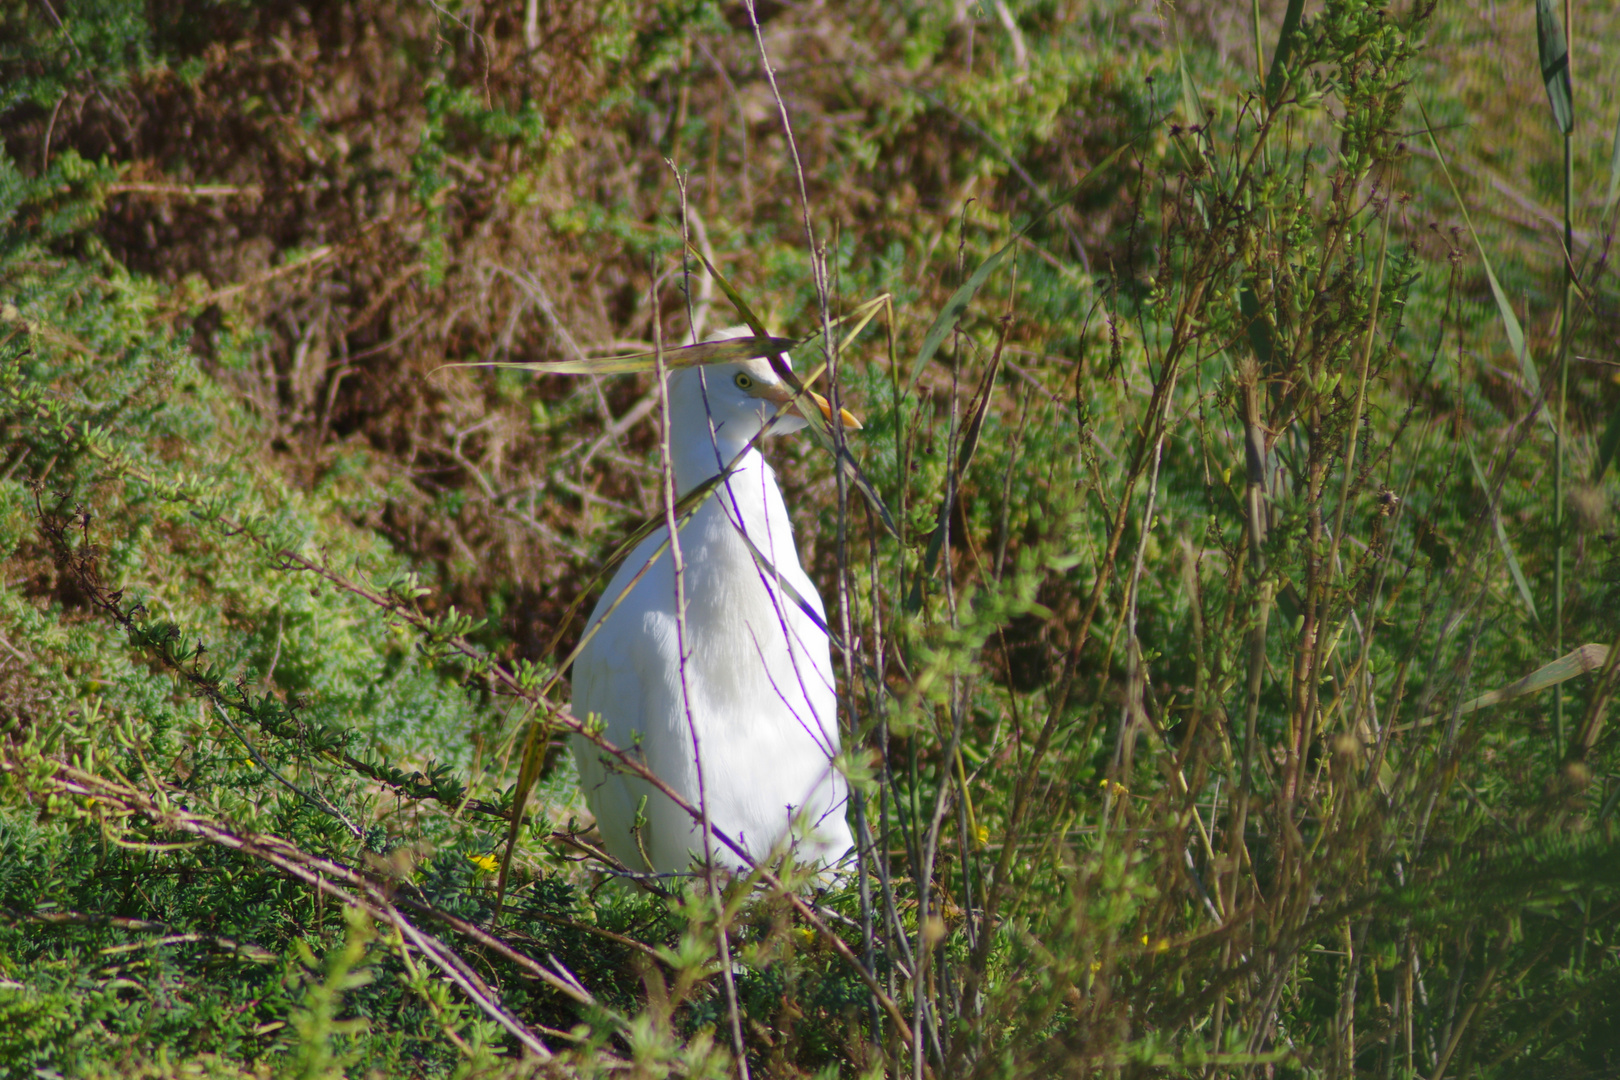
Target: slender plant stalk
[847,599]
[678,563]
[1259,49]
[1563,379]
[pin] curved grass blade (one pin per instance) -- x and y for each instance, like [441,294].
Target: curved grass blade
[755,323]
[723,351]
[707,352]
[1514,569]
[1192,105]
[1582,661]
[1587,658]
[953,310]
[1193,109]
[1504,309]
[860,317]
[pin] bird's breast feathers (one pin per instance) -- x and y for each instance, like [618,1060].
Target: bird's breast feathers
[755,689]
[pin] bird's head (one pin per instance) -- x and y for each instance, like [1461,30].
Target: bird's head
[740,397]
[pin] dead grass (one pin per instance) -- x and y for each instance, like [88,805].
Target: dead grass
[273,189]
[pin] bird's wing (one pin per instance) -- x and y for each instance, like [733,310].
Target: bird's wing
[805,684]
[620,677]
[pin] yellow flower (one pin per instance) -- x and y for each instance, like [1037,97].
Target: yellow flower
[487,863]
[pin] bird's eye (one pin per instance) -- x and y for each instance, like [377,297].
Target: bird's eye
[743,380]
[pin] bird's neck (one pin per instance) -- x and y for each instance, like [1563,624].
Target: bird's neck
[697,456]
[698,450]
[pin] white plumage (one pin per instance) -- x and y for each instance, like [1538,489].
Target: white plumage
[758,669]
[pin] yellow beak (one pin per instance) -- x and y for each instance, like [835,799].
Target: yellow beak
[781,395]
[848,418]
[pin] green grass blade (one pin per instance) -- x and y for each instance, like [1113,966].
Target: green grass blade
[1277,77]
[755,323]
[860,317]
[964,295]
[706,352]
[1191,104]
[970,446]
[1555,65]
[1504,308]
[1583,661]
[953,310]
[1191,149]
[1607,446]
[1514,569]
[856,476]
[1614,172]
[535,741]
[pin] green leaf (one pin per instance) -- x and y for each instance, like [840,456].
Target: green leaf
[849,326]
[1555,65]
[1582,661]
[1257,326]
[754,322]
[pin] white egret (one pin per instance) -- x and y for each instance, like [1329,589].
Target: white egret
[758,671]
